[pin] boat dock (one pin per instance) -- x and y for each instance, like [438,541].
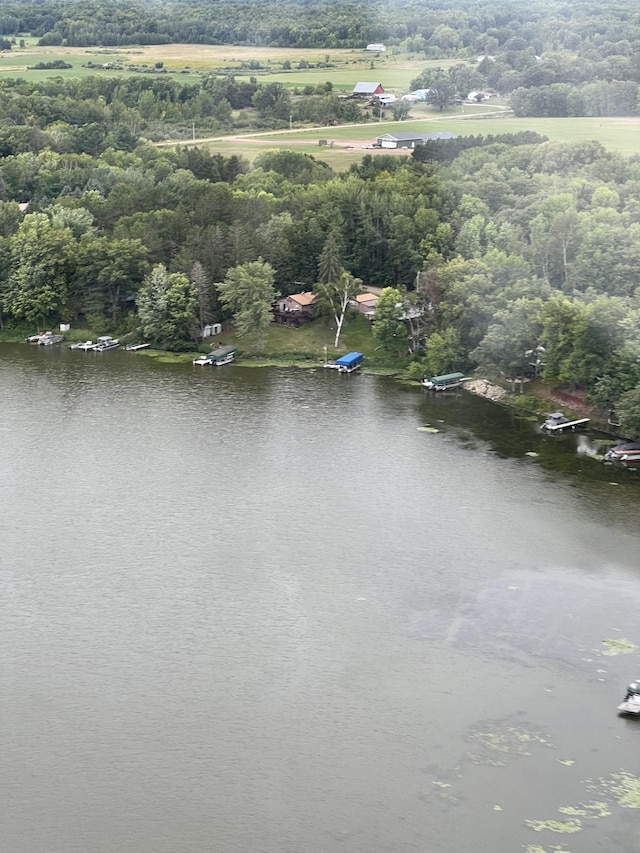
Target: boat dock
[559,426]
[347,363]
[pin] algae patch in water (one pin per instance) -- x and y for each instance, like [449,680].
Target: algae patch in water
[593,810]
[622,786]
[494,743]
[618,647]
[535,848]
[571,825]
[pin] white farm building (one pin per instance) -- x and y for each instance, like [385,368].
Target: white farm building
[410,140]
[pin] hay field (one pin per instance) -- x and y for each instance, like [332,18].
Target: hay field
[346,67]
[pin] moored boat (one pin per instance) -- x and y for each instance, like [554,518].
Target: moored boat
[223,355]
[446,382]
[347,363]
[105,342]
[83,345]
[136,347]
[557,422]
[628,452]
[44,338]
[631,702]
[49,338]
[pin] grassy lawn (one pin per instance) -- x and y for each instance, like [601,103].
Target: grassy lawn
[351,142]
[310,343]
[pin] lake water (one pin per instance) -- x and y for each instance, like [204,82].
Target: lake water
[266,611]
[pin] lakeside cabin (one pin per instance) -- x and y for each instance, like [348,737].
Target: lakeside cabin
[346,363]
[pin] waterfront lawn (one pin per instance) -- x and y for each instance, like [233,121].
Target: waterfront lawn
[310,343]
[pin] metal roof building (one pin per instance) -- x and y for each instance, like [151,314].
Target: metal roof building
[410,140]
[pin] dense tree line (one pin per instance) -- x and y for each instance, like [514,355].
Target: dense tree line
[507,30]
[509,249]
[90,114]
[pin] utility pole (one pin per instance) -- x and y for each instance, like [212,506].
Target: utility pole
[193,130]
[290,122]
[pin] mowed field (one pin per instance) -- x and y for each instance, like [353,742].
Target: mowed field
[348,144]
[344,68]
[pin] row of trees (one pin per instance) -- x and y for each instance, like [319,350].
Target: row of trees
[434,28]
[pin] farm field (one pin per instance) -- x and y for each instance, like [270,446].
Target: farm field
[345,67]
[348,144]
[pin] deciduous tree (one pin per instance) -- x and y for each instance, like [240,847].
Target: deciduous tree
[249,293]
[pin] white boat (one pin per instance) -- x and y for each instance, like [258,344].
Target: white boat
[48,339]
[136,347]
[556,422]
[44,338]
[105,342]
[224,355]
[631,702]
[446,382]
[83,345]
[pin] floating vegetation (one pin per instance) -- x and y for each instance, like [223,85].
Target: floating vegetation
[568,826]
[535,848]
[593,810]
[618,647]
[495,743]
[427,429]
[622,786]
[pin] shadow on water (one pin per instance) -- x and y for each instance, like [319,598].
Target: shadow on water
[513,434]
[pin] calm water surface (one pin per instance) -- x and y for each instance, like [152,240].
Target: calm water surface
[263,611]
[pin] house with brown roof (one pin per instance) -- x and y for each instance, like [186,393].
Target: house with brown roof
[365,303]
[295,309]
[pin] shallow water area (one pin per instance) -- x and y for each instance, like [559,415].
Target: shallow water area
[283,610]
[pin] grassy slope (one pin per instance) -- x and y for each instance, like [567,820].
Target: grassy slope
[309,343]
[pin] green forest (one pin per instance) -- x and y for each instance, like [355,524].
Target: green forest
[516,255]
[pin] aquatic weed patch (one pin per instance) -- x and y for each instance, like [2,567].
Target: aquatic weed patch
[622,787]
[593,810]
[567,826]
[494,743]
[535,848]
[618,647]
